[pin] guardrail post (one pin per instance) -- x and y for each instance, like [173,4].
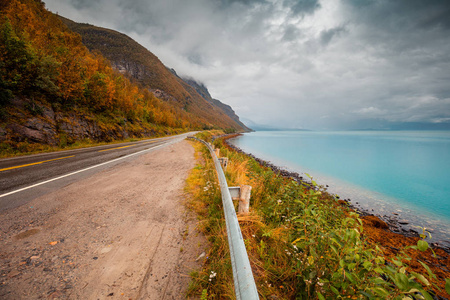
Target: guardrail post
[235,192]
[244,199]
[224,162]
[217,151]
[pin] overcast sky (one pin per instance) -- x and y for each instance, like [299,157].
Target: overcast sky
[315,64]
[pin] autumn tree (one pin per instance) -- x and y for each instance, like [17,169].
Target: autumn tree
[40,58]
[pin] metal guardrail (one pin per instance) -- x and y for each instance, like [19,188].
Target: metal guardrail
[244,283]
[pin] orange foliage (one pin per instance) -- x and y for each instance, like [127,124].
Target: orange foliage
[79,78]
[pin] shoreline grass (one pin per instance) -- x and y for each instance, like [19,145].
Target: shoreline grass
[301,243]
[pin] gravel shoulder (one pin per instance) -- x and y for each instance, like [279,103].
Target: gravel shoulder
[122,233]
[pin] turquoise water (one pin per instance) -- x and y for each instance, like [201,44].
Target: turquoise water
[407,172]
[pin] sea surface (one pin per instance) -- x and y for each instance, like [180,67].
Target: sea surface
[395,174]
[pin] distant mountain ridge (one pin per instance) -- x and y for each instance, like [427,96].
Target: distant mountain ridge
[129,57]
[203,91]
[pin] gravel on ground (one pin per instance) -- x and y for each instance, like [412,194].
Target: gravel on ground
[122,233]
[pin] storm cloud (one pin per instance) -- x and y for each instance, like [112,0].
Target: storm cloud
[328,64]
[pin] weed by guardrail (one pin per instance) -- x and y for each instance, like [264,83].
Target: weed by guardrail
[206,201]
[244,284]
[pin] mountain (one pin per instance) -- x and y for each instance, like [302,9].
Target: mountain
[266,127]
[129,57]
[419,126]
[55,91]
[201,89]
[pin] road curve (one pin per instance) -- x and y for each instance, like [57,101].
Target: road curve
[24,178]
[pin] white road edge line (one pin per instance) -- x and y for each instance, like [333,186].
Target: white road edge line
[82,170]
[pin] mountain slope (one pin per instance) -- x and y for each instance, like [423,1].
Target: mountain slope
[54,91]
[129,57]
[203,91]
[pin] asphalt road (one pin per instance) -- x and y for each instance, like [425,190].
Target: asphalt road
[24,178]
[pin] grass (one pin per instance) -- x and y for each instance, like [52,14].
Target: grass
[301,243]
[206,202]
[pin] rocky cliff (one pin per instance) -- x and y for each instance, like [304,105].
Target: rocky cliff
[32,122]
[203,91]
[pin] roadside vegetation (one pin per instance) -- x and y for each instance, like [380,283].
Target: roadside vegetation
[27,148]
[302,244]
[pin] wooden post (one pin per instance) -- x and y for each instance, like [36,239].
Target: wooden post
[244,199]
[217,151]
[224,162]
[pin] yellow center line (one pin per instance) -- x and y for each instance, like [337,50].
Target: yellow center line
[36,163]
[116,148]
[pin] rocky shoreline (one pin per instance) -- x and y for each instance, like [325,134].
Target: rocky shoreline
[393,223]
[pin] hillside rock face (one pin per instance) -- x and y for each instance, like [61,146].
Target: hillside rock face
[133,69]
[199,87]
[43,125]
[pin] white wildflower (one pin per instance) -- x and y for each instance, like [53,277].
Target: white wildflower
[212,275]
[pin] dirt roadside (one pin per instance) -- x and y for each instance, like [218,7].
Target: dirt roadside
[122,233]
